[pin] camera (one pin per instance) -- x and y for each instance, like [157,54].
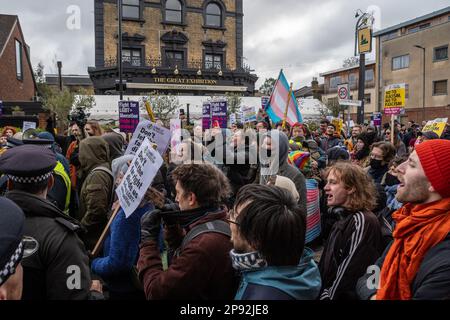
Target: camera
[79,117]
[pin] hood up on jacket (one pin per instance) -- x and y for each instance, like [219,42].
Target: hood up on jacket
[280,149]
[94,151]
[301,282]
[115,142]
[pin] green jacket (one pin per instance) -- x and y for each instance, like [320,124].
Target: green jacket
[96,191]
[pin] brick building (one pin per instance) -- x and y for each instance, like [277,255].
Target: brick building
[189,47]
[415,52]
[16,73]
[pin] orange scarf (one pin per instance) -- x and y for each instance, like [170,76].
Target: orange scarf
[418,229]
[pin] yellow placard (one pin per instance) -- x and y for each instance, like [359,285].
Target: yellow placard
[437,126]
[149,109]
[365,40]
[338,123]
[395,96]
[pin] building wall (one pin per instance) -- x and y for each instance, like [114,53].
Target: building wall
[435,36]
[12,89]
[331,93]
[153,29]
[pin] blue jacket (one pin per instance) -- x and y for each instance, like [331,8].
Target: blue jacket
[282,283]
[121,249]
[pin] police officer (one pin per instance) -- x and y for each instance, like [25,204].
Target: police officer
[11,250]
[58,268]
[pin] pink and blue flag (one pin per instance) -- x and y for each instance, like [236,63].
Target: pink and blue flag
[278,101]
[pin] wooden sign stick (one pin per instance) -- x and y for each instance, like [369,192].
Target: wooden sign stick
[100,241]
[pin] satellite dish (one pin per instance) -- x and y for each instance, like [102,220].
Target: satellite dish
[30,134]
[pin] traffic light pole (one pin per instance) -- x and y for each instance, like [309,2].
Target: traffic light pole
[119,53]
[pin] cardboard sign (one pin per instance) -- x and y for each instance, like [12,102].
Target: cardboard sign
[338,123]
[249,114]
[437,126]
[128,116]
[28,125]
[394,99]
[138,178]
[219,114]
[154,133]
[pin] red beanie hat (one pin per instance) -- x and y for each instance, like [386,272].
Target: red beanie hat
[434,155]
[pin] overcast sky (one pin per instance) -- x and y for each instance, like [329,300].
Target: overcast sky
[304,37]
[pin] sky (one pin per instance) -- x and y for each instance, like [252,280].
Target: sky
[302,37]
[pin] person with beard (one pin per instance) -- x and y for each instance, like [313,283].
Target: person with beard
[93,129]
[361,152]
[416,266]
[355,239]
[268,234]
[380,156]
[353,140]
[330,139]
[197,234]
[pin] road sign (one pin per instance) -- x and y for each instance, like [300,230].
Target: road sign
[348,102]
[343,92]
[365,40]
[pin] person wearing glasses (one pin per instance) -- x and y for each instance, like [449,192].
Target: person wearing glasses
[268,234]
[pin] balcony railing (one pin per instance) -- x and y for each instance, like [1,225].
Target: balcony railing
[192,64]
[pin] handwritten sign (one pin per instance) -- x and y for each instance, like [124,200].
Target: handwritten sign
[138,178]
[155,133]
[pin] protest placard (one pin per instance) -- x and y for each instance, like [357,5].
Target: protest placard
[139,177]
[128,116]
[249,113]
[175,129]
[28,125]
[219,113]
[394,99]
[437,126]
[206,120]
[156,134]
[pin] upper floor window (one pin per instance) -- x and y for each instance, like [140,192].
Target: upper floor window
[132,57]
[19,69]
[131,9]
[440,87]
[213,15]
[213,61]
[174,11]
[369,75]
[401,62]
[335,81]
[174,58]
[440,53]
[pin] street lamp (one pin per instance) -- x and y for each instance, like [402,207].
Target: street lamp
[423,85]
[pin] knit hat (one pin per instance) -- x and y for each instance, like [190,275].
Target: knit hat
[434,155]
[300,159]
[287,184]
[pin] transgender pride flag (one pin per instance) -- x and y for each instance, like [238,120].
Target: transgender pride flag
[278,101]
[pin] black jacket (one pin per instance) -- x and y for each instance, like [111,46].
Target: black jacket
[60,261]
[353,245]
[432,281]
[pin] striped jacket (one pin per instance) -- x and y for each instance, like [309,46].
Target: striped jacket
[353,245]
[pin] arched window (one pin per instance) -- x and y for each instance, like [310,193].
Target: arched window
[174,11]
[213,15]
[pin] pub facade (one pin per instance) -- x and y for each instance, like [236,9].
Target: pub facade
[181,47]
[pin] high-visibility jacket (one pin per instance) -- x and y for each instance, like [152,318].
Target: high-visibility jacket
[60,171]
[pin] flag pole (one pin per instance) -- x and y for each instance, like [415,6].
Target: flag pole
[287,106]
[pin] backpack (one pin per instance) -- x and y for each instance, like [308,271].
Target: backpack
[216,226]
[109,172]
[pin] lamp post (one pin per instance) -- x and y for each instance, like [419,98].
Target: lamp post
[119,51]
[363,17]
[423,85]
[59,64]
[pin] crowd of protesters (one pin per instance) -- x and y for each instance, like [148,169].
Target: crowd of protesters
[296,214]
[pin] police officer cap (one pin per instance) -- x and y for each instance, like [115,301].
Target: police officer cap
[11,233]
[43,143]
[28,164]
